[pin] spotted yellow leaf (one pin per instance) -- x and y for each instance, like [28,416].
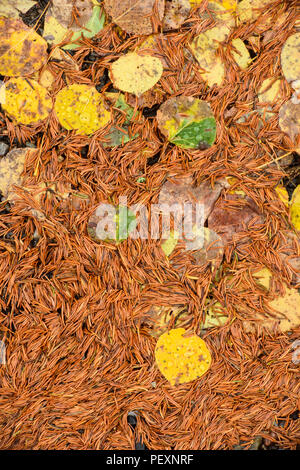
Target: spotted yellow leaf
[181,357]
[26,101]
[295,208]
[81,108]
[136,73]
[22,50]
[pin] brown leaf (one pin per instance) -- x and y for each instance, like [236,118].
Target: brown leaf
[134,16]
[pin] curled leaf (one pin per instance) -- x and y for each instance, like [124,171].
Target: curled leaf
[81,107]
[134,16]
[22,50]
[181,358]
[26,101]
[187,122]
[136,73]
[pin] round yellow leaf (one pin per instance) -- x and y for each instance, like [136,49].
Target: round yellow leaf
[295,208]
[290,58]
[269,91]
[180,357]
[22,50]
[136,73]
[26,101]
[81,108]
[241,55]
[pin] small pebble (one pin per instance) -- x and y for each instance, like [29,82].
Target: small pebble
[3,148]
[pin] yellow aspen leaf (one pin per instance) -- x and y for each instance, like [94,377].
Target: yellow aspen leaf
[22,50]
[45,76]
[26,101]
[136,73]
[287,313]
[241,55]
[249,10]
[170,243]
[11,169]
[13,8]
[214,316]
[204,48]
[181,357]
[269,91]
[81,108]
[282,194]
[295,208]
[290,58]
[263,277]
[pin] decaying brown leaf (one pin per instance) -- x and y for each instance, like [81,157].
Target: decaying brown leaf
[134,16]
[176,12]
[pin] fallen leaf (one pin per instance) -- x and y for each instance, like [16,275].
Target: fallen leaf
[181,358]
[295,208]
[136,73]
[122,222]
[287,316]
[209,250]
[204,48]
[290,58]
[134,16]
[81,107]
[289,121]
[269,91]
[45,76]
[241,55]
[263,277]
[176,12]
[250,10]
[22,50]
[187,122]
[11,169]
[59,21]
[214,316]
[26,101]
[170,243]
[233,217]
[121,134]
[160,318]
[13,8]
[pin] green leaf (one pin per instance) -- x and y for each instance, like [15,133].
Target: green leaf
[92,27]
[196,134]
[125,223]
